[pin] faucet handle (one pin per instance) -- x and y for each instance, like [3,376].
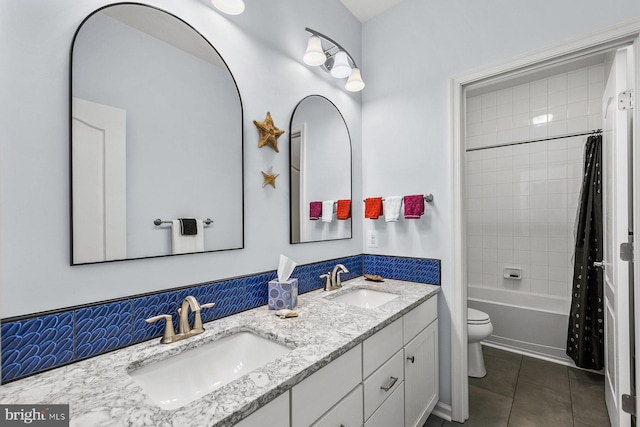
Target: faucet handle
[169,332]
[327,285]
[197,321]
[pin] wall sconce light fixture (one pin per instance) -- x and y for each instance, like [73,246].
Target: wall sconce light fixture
[230,7]
[335,60]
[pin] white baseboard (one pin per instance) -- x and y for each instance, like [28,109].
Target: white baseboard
[443,411]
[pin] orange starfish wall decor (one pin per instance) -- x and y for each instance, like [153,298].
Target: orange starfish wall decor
[269,133]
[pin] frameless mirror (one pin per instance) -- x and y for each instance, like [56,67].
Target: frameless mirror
[320,170]
[156,134]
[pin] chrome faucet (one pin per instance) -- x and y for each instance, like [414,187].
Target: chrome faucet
[184,331]
[333,278]
[183,311]
[335,275]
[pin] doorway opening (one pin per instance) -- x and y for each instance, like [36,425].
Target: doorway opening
[518,132]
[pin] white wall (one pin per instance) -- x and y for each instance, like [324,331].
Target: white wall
[263,49]
[409,54]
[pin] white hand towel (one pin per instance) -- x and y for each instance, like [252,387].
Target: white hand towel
[186,244]
[327,211]
[392,208]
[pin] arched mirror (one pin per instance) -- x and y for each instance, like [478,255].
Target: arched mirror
[320,172]
[156,137]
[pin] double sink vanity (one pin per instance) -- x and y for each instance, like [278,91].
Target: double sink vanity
[362,355]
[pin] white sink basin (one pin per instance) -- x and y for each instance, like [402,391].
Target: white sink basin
[366,298]
[189,375]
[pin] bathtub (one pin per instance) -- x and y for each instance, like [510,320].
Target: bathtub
[530,324]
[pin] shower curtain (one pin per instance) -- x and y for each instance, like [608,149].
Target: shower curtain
[585,339]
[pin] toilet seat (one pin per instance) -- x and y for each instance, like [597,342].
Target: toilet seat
[477,317]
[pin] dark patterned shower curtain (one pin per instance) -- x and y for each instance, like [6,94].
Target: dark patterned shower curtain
[585,339]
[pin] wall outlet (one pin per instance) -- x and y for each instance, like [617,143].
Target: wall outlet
[372,239]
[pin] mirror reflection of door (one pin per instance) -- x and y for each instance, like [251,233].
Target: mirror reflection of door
[296,161]
[320,167]
[183,156]
[99,164]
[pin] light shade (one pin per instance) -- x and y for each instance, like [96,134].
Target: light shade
[341,68]
[354,83]
[314,55]
[230,7]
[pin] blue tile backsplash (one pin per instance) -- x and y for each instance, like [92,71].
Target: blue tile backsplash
[36,343]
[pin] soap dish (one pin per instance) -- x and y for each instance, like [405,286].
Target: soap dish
[373,277]
[286,313]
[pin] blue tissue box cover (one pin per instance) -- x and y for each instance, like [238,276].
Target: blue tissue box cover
[283,294]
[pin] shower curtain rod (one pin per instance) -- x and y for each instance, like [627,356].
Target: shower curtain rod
[568,135]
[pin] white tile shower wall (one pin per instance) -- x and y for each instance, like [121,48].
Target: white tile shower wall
[522,199]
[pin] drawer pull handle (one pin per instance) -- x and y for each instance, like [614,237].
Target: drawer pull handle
[389,386]
[412,359]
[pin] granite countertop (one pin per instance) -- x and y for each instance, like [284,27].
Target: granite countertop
[101,393]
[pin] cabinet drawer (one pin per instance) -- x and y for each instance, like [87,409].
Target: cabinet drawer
[347,413]
[419,318]
[378,348]
[391,412]
[374,394]
[317,394]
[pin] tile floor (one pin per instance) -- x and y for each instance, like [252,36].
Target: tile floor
[520,391]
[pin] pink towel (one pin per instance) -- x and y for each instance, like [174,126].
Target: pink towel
[315,210]
[413,206]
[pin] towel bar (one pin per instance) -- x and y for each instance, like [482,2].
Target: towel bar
[427,198]
[158,221]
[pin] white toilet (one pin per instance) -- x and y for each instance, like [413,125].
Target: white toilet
[478,328]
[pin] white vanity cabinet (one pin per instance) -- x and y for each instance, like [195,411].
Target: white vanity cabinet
[317,394]
[383,370]
[420,363]
[273,414]
[391,379]
[421,376]
[390,413]
[347,413]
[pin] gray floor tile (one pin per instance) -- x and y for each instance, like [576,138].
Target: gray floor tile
[545,374]
[502,372]
[535,406]
[578,423]
[546,395]
[487,409]
[580,377]
[433,421]
[587,398]
[501,354]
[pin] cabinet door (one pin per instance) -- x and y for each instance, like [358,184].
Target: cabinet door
[421,376]
[273,414]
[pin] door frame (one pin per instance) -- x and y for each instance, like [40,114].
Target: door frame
[626,33]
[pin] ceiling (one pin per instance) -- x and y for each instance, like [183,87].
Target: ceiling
[367,9]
